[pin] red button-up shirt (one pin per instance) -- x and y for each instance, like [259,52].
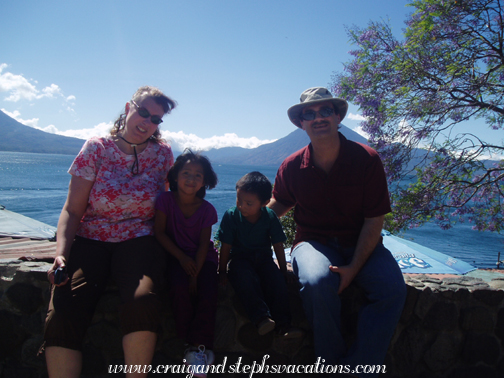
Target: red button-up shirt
[333,205]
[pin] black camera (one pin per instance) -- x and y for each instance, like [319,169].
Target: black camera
[60,275]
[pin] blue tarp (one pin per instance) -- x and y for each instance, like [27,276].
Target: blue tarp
[17,225]
[415,258]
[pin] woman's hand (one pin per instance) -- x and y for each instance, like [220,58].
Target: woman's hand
[59,262]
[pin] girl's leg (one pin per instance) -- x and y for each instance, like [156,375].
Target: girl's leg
[180,297]
[202,328]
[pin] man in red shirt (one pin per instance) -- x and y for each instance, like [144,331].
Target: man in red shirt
[339,191]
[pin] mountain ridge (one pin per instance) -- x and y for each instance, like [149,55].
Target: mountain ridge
[17,137]
[271,153]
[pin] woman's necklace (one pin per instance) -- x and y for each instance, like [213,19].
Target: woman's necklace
[135,163]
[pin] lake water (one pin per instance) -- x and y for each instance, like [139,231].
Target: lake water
[35,185]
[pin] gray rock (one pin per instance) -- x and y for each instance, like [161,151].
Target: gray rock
[481,348]
[443,352]
[477,318]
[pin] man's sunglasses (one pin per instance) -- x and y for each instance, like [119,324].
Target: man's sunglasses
[155,119]
[310,115]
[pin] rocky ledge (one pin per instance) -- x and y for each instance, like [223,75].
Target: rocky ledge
[451,326]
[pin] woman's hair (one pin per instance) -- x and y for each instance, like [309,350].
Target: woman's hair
[256,183]
[210,178]
[159,97]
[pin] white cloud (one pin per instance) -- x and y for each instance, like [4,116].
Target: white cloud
[51,91]
[356,117]
[19,88]
[16,85]
[28,122]
[102,129]
[180,141]
[359,130]
[51,129]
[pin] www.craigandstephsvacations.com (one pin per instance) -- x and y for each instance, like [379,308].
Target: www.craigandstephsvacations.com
[254,368]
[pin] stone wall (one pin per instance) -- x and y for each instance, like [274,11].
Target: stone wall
[451,327]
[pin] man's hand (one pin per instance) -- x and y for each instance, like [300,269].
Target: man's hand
[368,239]
[347,274]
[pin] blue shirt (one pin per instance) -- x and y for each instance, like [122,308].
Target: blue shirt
[244,236]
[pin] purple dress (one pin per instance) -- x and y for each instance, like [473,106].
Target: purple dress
[194,316]
[185,232]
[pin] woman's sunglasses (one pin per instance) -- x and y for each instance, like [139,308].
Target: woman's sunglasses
[155,119]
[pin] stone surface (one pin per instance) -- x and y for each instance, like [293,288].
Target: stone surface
[477,318]
[499,327]
[481,348]
[250,339]
[450,327]
[480,371]
[225,328]
[443,352]
[25,297]
[490,297]
[440,316]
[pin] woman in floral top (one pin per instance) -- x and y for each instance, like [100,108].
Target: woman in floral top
[106,230]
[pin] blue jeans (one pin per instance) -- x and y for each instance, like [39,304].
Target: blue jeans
[261,286]
[385,290]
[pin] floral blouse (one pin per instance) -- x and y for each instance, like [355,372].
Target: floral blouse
[120,205]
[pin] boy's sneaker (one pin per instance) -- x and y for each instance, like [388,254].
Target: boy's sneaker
[265,326]
[199,359]
[289,332]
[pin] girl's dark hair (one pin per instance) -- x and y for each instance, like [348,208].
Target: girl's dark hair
[256,183]
[159,97]
[210,178]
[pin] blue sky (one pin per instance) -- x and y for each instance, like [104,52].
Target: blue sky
[234,67]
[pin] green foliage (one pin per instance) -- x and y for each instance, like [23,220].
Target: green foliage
[289,227]
[413,93]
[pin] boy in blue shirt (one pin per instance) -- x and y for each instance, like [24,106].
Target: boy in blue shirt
[246,233]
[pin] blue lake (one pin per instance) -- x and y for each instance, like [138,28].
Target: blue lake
[36,185]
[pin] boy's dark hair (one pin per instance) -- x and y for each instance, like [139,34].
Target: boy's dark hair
[210,177]
[256,183]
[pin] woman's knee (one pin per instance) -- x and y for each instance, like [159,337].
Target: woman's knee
[141,314]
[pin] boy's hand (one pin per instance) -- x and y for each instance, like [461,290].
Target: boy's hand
[223,279]
[290,277]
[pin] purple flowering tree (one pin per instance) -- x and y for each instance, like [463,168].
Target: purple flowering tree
[415,93]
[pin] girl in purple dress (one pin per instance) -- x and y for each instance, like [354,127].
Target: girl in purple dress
[183,226]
